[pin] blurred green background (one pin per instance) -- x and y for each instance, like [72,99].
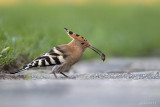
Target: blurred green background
[118,29]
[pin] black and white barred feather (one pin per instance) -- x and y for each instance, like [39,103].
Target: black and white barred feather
[54,57]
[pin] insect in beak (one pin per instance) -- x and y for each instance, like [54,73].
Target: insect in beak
[98,52]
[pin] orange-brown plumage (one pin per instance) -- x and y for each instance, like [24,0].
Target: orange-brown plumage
[62,57]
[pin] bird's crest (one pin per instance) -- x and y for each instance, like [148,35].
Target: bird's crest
[76,36]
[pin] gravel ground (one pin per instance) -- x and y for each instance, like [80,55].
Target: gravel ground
[80,93]
[119,82]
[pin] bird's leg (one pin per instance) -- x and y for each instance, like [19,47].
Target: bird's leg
[53,71]
[64,74]
[55,75]
[59,69]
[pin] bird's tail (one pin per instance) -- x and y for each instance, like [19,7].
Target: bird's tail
[25,67]
[19,70]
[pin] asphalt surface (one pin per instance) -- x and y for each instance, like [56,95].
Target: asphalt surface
[119,82]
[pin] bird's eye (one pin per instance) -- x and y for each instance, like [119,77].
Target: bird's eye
[82,43]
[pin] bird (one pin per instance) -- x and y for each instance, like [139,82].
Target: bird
[63,57]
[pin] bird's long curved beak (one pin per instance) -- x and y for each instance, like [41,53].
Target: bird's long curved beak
[98,52]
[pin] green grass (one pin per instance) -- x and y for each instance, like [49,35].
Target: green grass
[117,30]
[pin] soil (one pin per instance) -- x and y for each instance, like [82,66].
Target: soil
[14,65]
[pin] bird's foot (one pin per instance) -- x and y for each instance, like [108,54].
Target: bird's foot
[55,75]
[64,75]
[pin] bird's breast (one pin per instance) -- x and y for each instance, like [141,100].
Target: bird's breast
[74,56]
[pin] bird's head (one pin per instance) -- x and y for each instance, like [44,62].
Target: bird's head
[83,43]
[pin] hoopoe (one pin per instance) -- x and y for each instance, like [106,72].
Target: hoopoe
[62,57]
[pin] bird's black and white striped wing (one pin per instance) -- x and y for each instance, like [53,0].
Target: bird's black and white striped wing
[55,56]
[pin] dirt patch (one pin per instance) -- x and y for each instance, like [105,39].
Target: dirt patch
[14,65]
